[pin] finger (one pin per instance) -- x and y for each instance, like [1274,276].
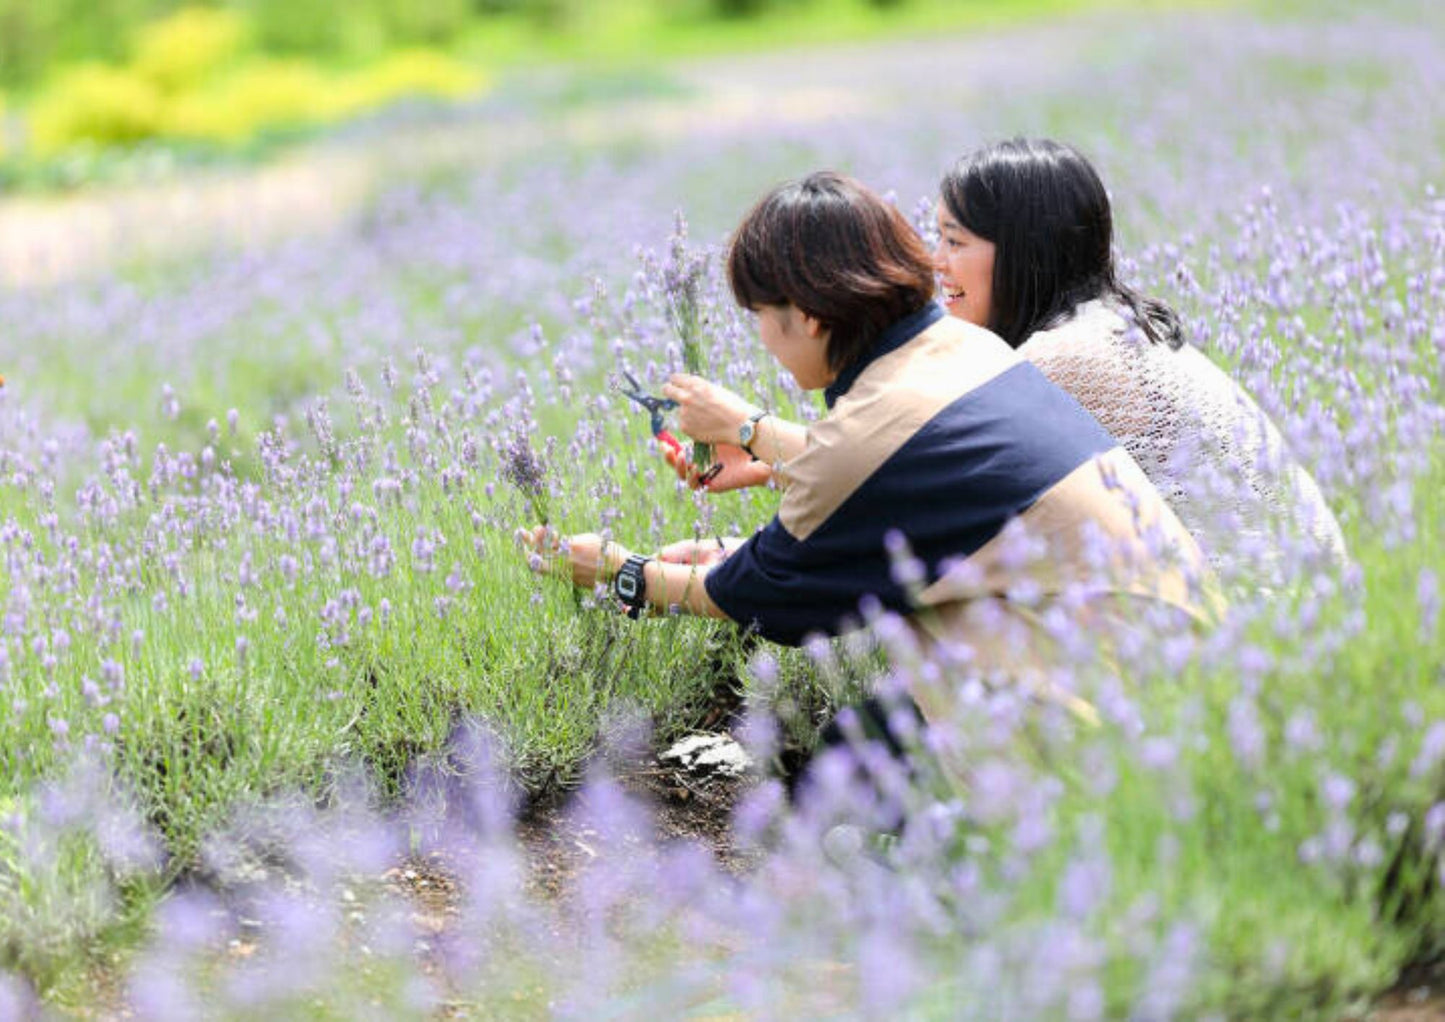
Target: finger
[739,477]
[677,461]
[546,539]
[680,552]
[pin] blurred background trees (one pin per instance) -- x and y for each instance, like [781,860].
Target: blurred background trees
[36,35]
[84,84]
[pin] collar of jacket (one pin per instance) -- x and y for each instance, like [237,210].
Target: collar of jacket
[893,338]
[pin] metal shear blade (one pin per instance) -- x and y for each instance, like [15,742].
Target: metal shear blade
[654,405]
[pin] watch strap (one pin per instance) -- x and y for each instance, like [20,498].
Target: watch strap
[748,431]
[629,585]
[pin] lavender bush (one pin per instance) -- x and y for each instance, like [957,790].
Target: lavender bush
[256,535]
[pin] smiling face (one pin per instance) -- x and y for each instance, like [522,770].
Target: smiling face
[964,264]
[799,342]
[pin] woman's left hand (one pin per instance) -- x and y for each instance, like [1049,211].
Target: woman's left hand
[708,413]
[581,557]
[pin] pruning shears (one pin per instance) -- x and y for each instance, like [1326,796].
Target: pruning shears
[656,406]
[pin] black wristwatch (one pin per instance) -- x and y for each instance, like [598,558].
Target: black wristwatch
[630,585]
[748,430]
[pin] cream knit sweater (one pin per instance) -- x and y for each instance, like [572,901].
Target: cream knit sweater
[1217,459]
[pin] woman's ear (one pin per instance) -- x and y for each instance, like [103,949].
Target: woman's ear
[815,328]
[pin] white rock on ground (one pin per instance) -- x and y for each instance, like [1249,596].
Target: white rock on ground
[709,754]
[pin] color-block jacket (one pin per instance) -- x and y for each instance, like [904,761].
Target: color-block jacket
[1008,493]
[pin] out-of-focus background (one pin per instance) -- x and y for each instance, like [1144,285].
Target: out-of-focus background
[245,121]
[251,120]
[82,77]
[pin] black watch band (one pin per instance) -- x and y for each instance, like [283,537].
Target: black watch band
[630,585]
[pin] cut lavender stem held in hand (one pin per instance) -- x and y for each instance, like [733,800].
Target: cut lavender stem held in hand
[682,281]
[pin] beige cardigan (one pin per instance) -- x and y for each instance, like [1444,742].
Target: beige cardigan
[1216,458]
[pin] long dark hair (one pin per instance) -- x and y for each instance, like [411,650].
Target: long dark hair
[834,249]
[1045,209]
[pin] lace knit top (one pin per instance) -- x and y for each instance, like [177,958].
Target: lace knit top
[1216,458]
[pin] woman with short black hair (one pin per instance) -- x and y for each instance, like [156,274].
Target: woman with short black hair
[850,263]
[1013,504]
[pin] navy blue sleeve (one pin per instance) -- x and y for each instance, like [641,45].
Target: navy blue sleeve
[785,589]
[949,488]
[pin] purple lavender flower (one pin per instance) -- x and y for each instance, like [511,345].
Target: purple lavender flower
[524,469]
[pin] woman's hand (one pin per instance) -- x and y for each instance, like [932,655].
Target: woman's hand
[706,412]
[699,551]
[735,469]
[583,557]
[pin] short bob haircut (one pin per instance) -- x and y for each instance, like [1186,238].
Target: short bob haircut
[1047,213]
[835,250]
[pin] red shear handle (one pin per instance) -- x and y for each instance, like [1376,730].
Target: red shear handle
[666,437]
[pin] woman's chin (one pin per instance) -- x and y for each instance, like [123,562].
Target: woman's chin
[958,308]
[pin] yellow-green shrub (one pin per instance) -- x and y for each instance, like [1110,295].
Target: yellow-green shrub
[184,49]
[262,94]
[94,103]
[413,72]
[180,87]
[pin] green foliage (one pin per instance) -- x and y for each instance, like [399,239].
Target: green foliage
[178,52]
[364,26]
[94,102]
[61,896]
[194,78]
[36,35]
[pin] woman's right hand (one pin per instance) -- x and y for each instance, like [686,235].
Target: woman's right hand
[735,469]
[699,552]
[706,412]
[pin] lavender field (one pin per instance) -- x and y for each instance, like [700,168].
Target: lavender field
[267,636]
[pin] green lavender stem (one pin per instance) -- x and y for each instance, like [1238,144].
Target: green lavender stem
[690,333]
[682,279]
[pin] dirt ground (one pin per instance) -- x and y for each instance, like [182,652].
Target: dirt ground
[685,808]
[1418,997]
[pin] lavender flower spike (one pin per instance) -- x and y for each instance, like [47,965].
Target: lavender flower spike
[524,469]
